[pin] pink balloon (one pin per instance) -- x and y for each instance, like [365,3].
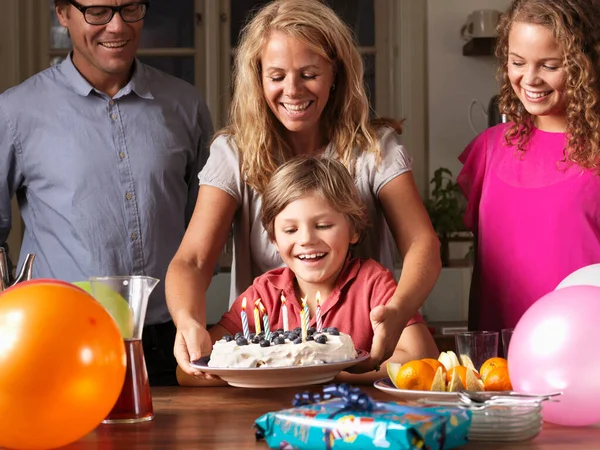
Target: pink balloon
[554,348]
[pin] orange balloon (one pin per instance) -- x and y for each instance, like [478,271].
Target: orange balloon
[62,361]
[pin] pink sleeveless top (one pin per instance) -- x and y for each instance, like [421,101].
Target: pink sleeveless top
[536,220]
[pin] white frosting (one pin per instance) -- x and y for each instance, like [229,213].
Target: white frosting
[229,354]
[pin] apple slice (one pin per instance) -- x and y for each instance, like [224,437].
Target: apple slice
[448,359]
[392,370]
[454,358]
[445,360]
[439,381]
[466,361]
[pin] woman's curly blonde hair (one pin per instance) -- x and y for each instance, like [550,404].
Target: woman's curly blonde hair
[345,120]
[574,24]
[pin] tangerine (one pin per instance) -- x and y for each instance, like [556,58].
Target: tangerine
[415,375]
[434,363]
[462,374]
[491,364]
[497,379]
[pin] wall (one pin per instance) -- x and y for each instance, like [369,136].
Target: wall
[454,79]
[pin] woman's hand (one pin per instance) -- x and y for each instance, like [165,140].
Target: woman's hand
[385,321]
[201,380]
[191,343]
[191,271]
[386,334]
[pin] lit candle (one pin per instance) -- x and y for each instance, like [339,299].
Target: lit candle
[284,313]
[319,320]
[245,320]
[256,317]
[265,321]
[306,311]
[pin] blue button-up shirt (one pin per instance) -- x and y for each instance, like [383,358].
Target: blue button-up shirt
[105,186]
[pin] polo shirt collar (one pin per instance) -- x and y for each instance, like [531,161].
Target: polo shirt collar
[284,281]
[139,83]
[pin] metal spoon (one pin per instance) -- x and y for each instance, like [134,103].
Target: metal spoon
[509,397]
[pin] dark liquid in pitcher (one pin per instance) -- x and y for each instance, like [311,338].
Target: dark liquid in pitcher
[135,401]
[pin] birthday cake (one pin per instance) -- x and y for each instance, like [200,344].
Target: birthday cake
[283,348]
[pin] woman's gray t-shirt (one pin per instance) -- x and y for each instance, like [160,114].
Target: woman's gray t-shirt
[254,254]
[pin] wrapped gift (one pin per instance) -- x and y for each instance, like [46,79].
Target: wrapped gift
[344,417]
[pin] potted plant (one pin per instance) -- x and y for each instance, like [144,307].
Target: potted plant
[446,207]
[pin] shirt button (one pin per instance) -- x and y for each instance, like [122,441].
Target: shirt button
[122,155]
[113,116]
[111,103]
[128,196]
[133,236]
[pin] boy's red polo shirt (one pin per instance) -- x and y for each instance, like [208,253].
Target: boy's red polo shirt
[361,286]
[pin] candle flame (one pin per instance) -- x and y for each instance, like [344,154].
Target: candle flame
[257,302]
[304,301]
[318,296]
[244,304]
[282,298]
[260,305]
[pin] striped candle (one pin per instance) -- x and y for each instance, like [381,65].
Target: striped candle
[245,320]
[303,325]
[265,321]
[306,311]
[284,313]
[318,313]
[256,317]
[305,318]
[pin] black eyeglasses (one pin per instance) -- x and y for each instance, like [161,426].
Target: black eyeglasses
[101,14]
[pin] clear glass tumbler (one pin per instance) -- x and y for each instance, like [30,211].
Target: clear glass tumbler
[506,334]
[478,346]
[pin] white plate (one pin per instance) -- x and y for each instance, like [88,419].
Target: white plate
[275,377]
[386,385]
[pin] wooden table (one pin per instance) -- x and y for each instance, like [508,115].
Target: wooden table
[223,418]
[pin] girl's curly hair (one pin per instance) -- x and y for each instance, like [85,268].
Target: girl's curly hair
[574,24]
[345,120]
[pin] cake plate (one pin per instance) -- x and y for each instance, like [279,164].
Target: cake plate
[277,377]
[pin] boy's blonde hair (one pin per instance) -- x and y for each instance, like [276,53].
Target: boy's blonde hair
[574,25]
[303,175]
[344,121]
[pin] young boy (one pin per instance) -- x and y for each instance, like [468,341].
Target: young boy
[313,214]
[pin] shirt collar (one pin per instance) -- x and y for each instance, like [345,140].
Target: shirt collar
[283,279]
[139,83]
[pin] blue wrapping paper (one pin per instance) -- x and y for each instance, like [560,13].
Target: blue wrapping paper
[344,417]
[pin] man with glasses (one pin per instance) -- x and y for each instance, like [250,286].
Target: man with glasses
[102,153]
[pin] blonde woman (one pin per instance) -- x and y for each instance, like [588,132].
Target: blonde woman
[298,89]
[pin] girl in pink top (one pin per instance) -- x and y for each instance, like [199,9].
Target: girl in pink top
[532,184]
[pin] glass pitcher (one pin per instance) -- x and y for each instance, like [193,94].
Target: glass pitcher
[126,299]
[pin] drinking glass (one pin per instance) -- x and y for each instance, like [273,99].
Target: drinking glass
[479,346]
[126,299]
[506,334]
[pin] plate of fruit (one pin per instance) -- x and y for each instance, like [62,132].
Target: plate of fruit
[440,379]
